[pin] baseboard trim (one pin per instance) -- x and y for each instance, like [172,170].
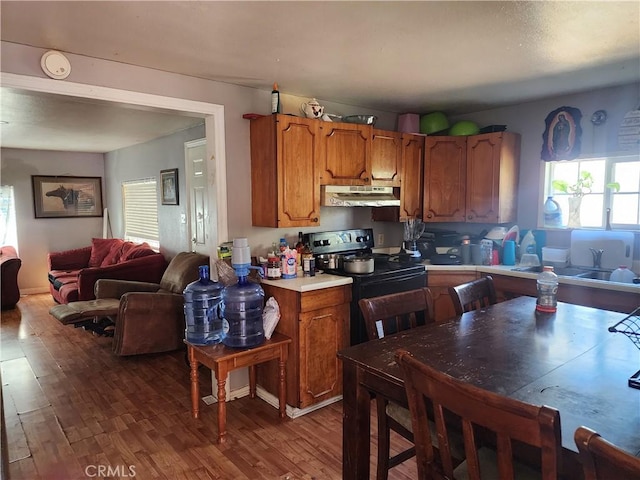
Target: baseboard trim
[293,412]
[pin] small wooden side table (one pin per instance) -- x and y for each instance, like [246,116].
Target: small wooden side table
[222,359]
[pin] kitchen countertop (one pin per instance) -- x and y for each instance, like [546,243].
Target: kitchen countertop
[508,270]
[307,284]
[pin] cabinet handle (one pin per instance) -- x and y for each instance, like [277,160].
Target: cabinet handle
[315,219]
[470,217]
[366,179]
[429,215]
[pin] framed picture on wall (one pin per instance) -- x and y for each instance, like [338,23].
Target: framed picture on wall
[169,187]
[64,196]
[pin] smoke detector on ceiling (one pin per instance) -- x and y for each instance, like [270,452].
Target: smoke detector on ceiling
[55,65]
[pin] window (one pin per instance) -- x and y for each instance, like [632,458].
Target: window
[624,203]
[8,230]
[140,204]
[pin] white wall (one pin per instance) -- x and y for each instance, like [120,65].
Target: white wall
[39,236]
[143,161]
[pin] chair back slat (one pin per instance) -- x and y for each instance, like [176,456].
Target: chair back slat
[485,418]
[396,312]
[473,295]
[602,460]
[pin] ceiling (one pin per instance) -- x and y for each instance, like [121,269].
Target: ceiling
[421,56]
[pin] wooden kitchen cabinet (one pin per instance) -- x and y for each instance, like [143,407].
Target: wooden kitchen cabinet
[346,154]
[411,172]
[471,179]
[386,158]
[285,189]
[587,295]
[492,177]
[439,283]
[445,179]
[318,323]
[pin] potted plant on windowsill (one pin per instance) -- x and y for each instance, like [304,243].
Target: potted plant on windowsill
[577,191]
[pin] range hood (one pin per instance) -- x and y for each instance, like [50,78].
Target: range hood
[358,196]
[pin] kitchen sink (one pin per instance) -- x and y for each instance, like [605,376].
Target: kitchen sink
[579,272]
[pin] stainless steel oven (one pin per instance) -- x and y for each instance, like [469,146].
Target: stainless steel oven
[390,275]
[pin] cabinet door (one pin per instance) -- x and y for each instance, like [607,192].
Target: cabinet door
[439,283]
[322,334]
[483,172]
[412,172]
[386,158]
[345,154]
[445,179]
[299,148]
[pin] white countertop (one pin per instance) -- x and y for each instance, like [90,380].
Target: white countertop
[508,270]
[306,284]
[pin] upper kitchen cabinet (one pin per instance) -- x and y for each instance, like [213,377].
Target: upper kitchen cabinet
[412,167]
[492,177]
[346,155]
[471,179]
[445,179]
[386,158]
[285,191]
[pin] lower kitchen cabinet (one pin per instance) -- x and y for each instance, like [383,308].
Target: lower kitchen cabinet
[318,323]
[439,283]
[586,295]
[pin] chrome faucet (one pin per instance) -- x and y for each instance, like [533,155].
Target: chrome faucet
[597,257]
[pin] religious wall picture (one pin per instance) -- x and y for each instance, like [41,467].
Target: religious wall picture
[562,135]
[169,185]
[65,196]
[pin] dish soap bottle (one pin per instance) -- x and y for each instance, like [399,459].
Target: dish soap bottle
[528,244]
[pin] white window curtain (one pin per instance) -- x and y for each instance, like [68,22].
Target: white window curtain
[140,204]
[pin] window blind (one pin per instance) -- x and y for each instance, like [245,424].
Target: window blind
[140,203]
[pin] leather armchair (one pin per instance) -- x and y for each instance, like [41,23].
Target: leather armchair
[151,315]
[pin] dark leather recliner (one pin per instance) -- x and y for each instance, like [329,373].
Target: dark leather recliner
[150,316]
[10,264]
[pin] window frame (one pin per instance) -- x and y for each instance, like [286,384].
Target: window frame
[610,161]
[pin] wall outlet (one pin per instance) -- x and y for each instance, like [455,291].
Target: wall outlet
[380,241]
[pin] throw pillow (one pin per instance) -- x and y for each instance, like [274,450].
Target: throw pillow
[138,251]
[114,254]
[100,248]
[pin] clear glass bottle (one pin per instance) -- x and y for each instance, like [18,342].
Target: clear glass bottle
[201,310]
[547,284]
[275,100]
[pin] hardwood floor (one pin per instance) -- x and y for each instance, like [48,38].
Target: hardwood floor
[74,410]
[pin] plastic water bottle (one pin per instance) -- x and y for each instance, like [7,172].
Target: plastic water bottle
[622,274]
[202,310]
[243,302]
[242,306]
[552,213]
[547,290]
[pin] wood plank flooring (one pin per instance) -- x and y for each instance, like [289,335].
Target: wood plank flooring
[74,410]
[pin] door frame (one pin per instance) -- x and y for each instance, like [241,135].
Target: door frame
[188,168]
[214,131]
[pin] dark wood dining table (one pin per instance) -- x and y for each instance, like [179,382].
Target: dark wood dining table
[567,360]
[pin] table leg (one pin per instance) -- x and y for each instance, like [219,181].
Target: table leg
[252,381]
[195,387]
[282,386]
[221,377]
[356,428]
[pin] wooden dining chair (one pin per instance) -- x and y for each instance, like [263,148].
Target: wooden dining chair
[473,295]
[382,316]
[602,460]
[485,418]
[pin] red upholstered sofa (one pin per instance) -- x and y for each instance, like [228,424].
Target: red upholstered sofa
[73,273]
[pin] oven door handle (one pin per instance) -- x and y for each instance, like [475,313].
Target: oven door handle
[403,278]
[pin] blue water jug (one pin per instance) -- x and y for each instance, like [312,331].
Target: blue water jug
[202,299]
[242,306]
